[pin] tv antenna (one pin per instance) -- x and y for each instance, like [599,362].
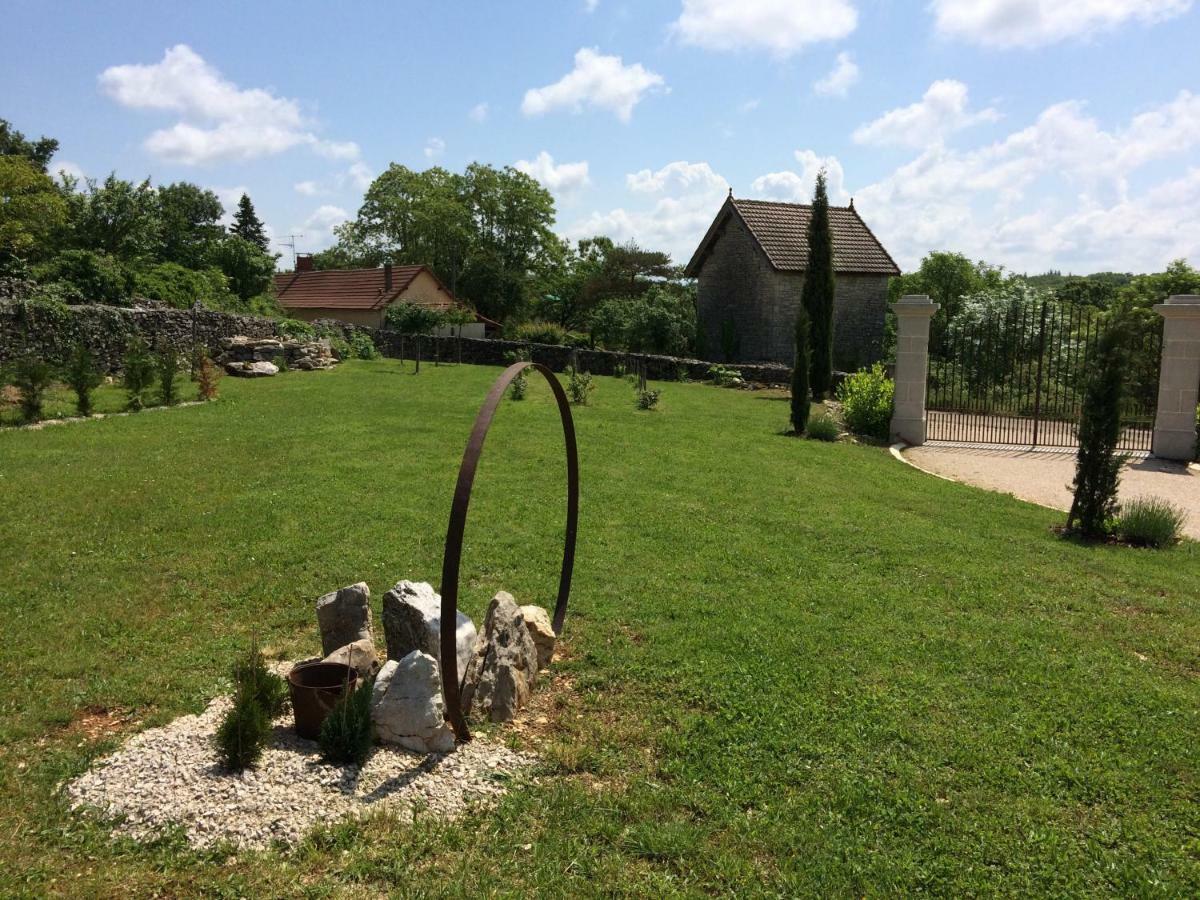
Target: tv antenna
[291,242]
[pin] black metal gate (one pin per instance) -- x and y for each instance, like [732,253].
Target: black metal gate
[1015,375]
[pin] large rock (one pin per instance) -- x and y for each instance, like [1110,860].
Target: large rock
[345,617]
[412,620]
[541,629]
[360,655]
[407,706]
[504,666]
[252,369]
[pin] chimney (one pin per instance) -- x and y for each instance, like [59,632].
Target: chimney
[387,277]
[304,262]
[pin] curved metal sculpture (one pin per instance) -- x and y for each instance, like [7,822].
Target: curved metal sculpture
[451,678]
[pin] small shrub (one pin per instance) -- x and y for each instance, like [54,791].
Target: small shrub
[519,387]
[242,734]
[723,376]
[294,328]
[619,370]
[252,677]
[647,399]
[31,376]
[541,333]
[83,377]
[207,375]
[166,364]
[280,361]
[1150,522]
[347,734]
[340,348]
[866,398]
[138,369]
[823,427]
[579,386]
[361,346]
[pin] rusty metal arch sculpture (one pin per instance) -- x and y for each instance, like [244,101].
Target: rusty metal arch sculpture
[451,677]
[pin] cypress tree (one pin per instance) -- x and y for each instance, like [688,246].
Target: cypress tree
[247,224]
[1097,465]
[819,288]
[800,384]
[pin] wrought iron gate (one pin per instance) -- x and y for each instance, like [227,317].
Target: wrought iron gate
[1015,375]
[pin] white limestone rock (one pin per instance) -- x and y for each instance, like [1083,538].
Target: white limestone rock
[407,706]
[412,620]
[537,620]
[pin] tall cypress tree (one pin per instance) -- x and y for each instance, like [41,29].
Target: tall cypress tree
[800,385]
[819,288]
[1097,466]
[247,224]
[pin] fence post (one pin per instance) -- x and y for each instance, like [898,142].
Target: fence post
[913,313]
[1178,378]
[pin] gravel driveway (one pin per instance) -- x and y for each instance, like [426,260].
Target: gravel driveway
[1044,476]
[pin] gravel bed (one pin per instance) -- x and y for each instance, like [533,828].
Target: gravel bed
[170,776]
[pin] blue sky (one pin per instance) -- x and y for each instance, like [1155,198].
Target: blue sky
[1031,133]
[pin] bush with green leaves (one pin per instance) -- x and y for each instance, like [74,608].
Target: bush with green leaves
[243,733]
[137,371]
[579,386]
[866,397]
[361,346]
[31,376]
[347,733]
[166,366]
[823,427]
[83,377]
[410,318]
[1150,522]
[723,376]
[647,399]
[295,328]
[540,333]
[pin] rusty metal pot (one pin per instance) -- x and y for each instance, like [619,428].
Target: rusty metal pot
[315,688]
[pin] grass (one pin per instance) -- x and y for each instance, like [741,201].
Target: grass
[796,667]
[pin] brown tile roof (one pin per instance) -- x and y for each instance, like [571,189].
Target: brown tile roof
[781,230]
[346,288]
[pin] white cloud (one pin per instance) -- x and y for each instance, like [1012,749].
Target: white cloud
[686,198]
[598,81]
[434,147]
[479,113]
[68,168]
[562,178]
[749,106]
[218,120]
[1032,23]
[307,188]
[797,187]
[941,111]
[360,175]
[317,229]
[840,79]
[1056,194]
[780,26]
[590,5]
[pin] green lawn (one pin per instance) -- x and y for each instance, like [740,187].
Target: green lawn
[795,667]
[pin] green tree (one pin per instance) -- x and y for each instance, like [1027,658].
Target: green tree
[13,143]
[248,268]
[83,377]
[187,224]
[819,288]
[182,287]
[31,210]
[248,226]
[88,277]
[115,217]
[1097,465]
[801,391]
[1146,290]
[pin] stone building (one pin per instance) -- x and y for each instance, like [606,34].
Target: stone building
[750,270]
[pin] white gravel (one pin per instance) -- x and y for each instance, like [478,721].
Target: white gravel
[170,776]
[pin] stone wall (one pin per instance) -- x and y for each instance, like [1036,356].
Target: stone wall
[738,289]
[50,334]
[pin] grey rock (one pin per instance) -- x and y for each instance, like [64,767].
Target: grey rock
[252,369]
[504,666]
[537,620]
[360,655]
[344,617]
[407,706]
[412,620]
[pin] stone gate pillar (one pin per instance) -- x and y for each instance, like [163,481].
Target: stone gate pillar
[913,313]
[1179,378]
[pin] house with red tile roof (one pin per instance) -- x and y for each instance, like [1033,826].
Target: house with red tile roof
[362,296]
[750,270]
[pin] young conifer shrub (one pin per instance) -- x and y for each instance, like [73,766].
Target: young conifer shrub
[138,369]
[1097,464]
[166,367]
[207,375]
[801,393]
[83,377]
[31,376]
[347,733]
[251,675]
[243,733]
[820,286]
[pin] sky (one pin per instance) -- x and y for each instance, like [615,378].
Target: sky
[1033,134]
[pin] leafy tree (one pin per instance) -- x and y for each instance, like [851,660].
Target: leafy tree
[248,268]
[411,318]
[115,217]
[661,320]
[819,289]
[1097,465]
[88,277]
[13,143]
[801,391]
[1146,290]
[187,224]
[947,278]
[248,226]
[83,377]
[31,210]
[182,288]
